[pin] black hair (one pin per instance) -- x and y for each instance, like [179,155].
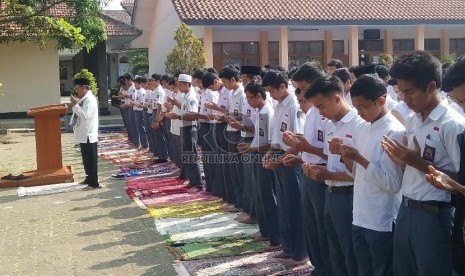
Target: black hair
[336,63]
[308,72]
[120,80]
[212,70]
[198,74]
[263,73]
[369,87]
[156,77]
[165,77]
[254,88]
[171,80]
[343,74]
[176,75]
[352,68]
[297,91]
[292,72]
[419,67]
[275,78]
[141,79]
[128,76]
[382,71]
[279,68]
[208,79]
[392,82]
[326,86]
[229,72]
[455,74]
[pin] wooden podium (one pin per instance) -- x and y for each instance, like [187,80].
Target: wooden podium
[50,169]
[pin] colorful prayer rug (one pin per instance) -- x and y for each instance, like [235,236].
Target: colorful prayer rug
[215,249]
[195,209]
[175,199]
[251,265]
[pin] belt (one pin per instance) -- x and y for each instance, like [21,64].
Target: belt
[341,189]
[430,206]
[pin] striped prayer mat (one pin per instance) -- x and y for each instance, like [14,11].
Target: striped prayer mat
[175,199]
[195,209]
[257,264]
[215,249]
[212,227]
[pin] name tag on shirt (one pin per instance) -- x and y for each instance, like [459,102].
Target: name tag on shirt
[283,126]
[261,132]
[429,153]
[236,112]
[320,135]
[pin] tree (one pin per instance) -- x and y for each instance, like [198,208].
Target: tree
[86,74]
[74,23]
[188,55]
[138,61]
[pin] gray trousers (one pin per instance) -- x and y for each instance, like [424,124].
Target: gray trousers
[422,242]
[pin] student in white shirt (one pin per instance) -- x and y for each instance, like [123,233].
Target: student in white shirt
[311,147]
[159,138]
[344,75]
[205,117]
[455,81]
[171,127]
[139,100]
[148,114]
[133,134]
[424,223]
[262,192]
[326,94]
[377,179]
[188,130]
[233,175]
[85,108]
[287,117]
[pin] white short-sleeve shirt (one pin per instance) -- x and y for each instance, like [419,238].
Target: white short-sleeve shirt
[376,188]
[287,117]
[139,97]
[344,129]
[314,133]
[437,137]
[262,124]
[208,96]
[190,103]
[236,103]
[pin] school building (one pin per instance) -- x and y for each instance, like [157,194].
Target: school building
[289,33]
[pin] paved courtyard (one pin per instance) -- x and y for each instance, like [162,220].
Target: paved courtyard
[98,232]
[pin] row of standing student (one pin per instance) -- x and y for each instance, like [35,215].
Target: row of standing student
[322,181]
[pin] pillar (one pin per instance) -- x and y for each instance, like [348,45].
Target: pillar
[264,48]
[444,42]
[420,37]
[388,47]
[353,46]
[283,47]
[208,45]
[328,46]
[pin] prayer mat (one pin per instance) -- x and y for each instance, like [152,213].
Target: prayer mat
[212,227]
[195,209]
[130,159]
[175,199]
[143,166]
[149,183]
[215,249]
[158,191]
[50,189]
[251,265]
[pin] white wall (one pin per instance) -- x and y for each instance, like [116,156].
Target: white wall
[164,24]
[29,76]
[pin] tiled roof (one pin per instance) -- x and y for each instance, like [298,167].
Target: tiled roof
[120,15]
[217,12]
[127,2]
[115,27]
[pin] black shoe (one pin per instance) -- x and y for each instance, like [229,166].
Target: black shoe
[89,188]
[7,177]
[119,176]
[160,161]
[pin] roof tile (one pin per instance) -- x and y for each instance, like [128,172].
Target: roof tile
[304,11]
